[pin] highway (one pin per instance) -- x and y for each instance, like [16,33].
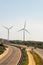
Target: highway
[12,58]
[14,55]
[38,51]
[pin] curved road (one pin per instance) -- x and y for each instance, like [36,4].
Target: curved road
[38,51]
[12,58]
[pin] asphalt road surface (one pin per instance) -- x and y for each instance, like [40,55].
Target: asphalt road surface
[12,58]
[38,51]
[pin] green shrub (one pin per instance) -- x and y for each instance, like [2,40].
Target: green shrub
[2,48]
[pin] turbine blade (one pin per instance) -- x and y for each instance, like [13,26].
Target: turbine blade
[10,27]
[27,30]
[5,27]
[25,24]
[21,29]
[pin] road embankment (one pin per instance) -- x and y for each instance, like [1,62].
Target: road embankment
[4,53]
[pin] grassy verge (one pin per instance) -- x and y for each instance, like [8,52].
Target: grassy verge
[2,48]
[37,59]
[25,58]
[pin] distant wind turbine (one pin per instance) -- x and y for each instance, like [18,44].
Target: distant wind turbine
[24,29]
[8,30]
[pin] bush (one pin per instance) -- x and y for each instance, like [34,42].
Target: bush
[2,48]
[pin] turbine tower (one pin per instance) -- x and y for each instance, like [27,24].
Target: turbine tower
[8,29]
[24,29]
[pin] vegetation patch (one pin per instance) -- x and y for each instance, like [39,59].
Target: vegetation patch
[25,58]
[37,58]
[2,48]
[36,44]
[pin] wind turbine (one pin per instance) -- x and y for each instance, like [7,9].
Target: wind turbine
[24,29]
[8,29]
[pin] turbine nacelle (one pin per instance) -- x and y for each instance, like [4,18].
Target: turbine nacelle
[24,30]
[7,27]
[8,30]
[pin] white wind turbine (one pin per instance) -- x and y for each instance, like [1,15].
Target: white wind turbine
[24,29]
[8,29]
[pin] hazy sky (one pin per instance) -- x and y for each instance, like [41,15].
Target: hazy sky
[15,12]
